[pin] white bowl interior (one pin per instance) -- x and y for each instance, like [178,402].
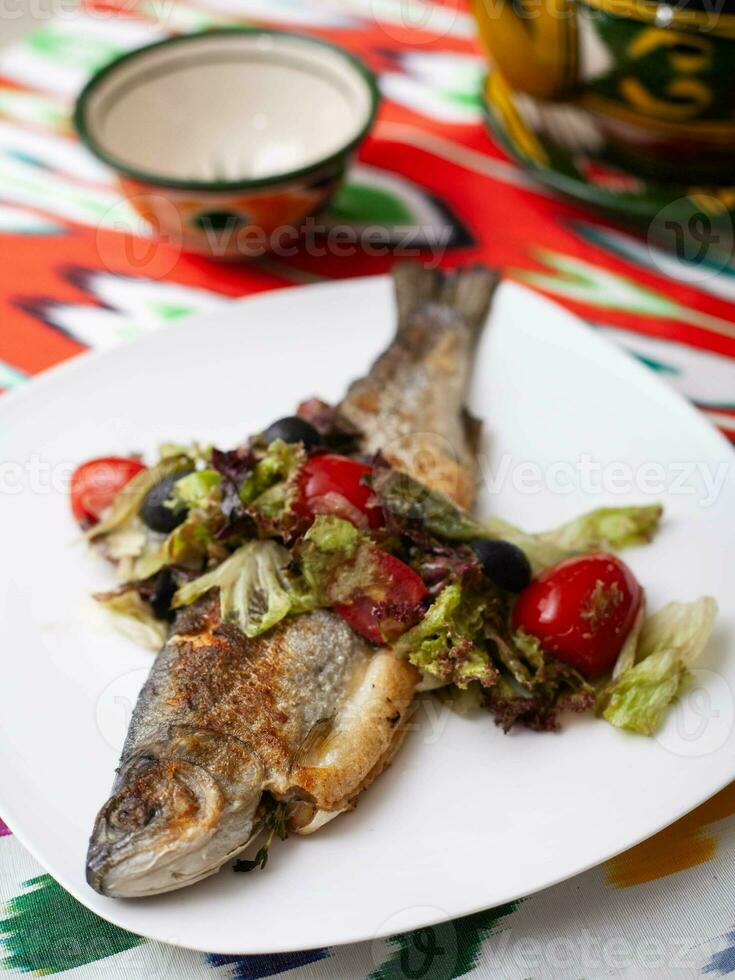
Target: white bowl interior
[228,107]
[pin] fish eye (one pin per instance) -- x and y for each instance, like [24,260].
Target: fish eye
[130,813]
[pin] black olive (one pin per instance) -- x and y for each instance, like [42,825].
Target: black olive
[293,429]
[154,511]
[504,563]
[163,594]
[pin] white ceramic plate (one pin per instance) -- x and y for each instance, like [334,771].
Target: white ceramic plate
[466,818]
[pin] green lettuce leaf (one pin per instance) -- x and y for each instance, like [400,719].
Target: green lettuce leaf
[340,565]
[279,462]
[604,529]
[447,642]
[337,561]
[607,528]
[196,489]
[670,642]
[408,499]
[195,451]
[131,615]
[627,656]
[255,589]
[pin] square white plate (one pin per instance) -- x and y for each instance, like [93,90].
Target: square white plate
[466,818]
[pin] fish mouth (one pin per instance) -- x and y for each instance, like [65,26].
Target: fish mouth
[156,833]
[151,873]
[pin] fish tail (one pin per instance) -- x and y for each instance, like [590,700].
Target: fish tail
[468,292]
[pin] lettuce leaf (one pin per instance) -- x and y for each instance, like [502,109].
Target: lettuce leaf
[466,640]
[670,642]
[269,491]
[279,462]
[132,616]
[604,529]
[196,489]
[446,643]
[255,589]
[627,656]
[195,451]
[406,499]
[562,689]
[337,561]
[535,688]
[607,528]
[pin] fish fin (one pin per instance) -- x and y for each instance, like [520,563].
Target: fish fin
[467,291]
[314,740]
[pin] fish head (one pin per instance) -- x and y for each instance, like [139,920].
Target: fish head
[157,831]
[179,810]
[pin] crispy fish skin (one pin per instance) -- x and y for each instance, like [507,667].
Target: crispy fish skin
[309,712]
[411,405]
[221,720]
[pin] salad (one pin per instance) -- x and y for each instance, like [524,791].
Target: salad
[525,626]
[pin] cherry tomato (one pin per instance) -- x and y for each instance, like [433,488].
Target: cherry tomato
[581,611]
[95,484]
[332,484]
[391,607]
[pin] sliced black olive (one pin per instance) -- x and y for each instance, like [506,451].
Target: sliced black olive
[504,563]
[163,594]
[154,511]
[293,429]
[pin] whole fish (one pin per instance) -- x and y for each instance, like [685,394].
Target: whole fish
[307,714]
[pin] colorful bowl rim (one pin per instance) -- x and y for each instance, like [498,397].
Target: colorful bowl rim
[160,180]
[630,207]
[685,18]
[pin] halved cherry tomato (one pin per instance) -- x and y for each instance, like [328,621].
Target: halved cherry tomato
[391,607]
[95,484]
[581,611]
[332,484]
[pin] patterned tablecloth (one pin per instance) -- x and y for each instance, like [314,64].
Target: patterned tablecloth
[77,272]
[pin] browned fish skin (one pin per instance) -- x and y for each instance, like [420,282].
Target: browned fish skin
[222,718]
[411,405]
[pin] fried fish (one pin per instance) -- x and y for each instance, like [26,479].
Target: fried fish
[309,713]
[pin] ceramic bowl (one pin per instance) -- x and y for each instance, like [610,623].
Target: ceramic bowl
[651,85]
[226,141]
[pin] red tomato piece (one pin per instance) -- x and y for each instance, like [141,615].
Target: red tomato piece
[581,611]
[95,484]
[392,604]
[331,484]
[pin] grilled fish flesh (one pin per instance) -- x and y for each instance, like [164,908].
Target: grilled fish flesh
[308,713]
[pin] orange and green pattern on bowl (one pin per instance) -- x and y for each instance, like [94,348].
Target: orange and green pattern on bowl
[232,224]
